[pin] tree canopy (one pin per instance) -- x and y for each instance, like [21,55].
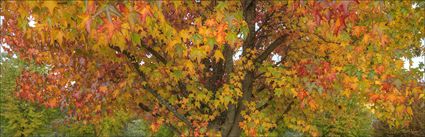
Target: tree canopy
[219,68]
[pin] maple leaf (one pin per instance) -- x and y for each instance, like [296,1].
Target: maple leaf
[174,52]
[59,37]
[110,27]
[339,24]
[52,103]
[103,89]
[210,22]
[86,22]
[358,30]
[197,54]
[218,55]
[51,5]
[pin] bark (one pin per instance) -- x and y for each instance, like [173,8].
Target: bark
[231,126]
[228,68]
[247,89]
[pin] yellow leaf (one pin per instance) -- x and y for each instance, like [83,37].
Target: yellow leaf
[115,93]
[85,23]
[170,46]
[294,93]
[59,37]
[346,93]
[366,38]
[256,121]
[190,67]
[97,108]
[51,5]
[312,104]
[409,110]
[218,55]
[358,30]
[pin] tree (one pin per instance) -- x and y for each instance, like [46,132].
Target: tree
[415,129]
[20,118]
[178,63]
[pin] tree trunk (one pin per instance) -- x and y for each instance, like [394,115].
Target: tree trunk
[231,126]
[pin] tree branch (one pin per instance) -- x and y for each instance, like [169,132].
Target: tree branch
[181,85]
[161,100]
[266,20]
[288,108]
[231,125]
[271,48]
[277,63]
[259,108]
[154,53]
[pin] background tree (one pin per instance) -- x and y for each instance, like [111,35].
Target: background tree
[178,63]
[415,129]
[20,118]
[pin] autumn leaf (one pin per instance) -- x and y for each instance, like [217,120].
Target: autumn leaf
[51,5]
[197,54]
[86,22]
[358,30]
[103,89]
[189,63]
[218,55]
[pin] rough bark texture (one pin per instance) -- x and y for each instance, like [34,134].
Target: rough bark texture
[231,126]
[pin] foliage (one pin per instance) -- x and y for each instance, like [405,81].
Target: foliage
[140,127]
[137,128]
[342,117]
[20,118]
[174,62]
[415,129]
[346,118]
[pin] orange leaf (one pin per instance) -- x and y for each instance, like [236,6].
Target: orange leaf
[358,30]
[103,89]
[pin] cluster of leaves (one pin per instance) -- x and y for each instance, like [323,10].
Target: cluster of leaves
[416,127]
[140,127]
[347,118]
[172,61]
[23,118]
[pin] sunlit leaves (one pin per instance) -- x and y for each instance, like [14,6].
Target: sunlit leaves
[203,58]
[51,5]
[218,55]
[197,54]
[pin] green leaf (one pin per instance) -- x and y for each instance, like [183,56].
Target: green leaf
[197,54]
[278,92]
[135,38]
[231,37]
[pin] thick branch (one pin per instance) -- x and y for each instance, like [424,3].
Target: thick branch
[171,108]
[249,17]
[278,63]
[288,108]
[154,53]
[161,100]
[271,48]
[228,61]
[181,85]
[259,108]
[231,126]
[265,22]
